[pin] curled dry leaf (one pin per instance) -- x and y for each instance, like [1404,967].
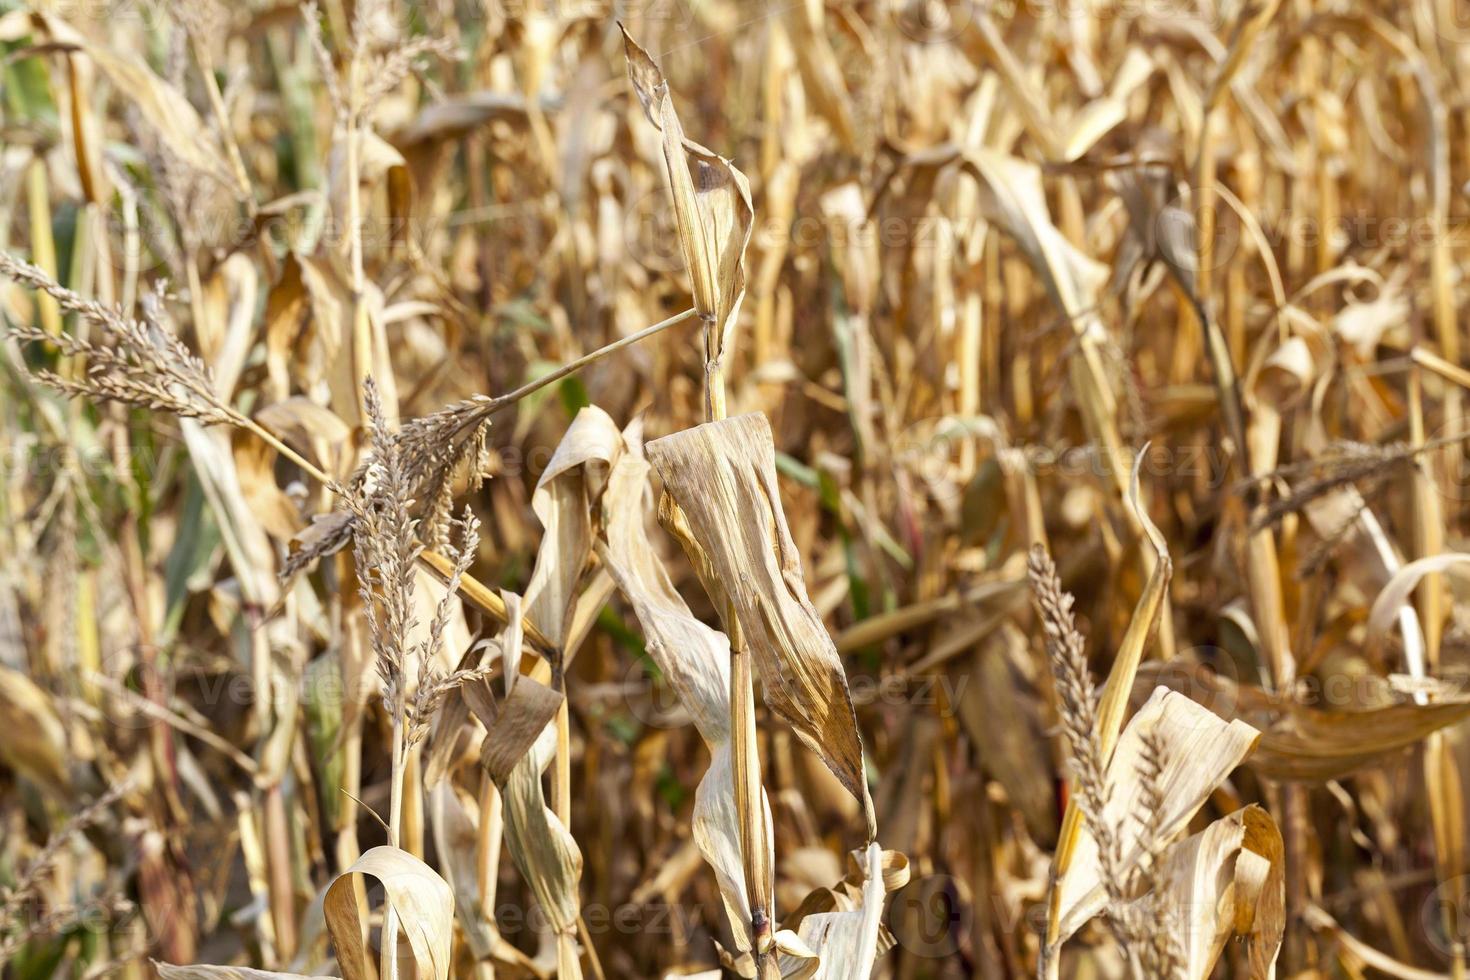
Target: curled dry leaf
[1310,744]
[1228,880]
[712,209]
[1215,748]
[695,661]
[540,844]
[843,940]
[512,725]
[424,904]
[544,850]
[1396,592]
[722,477]
[562,500]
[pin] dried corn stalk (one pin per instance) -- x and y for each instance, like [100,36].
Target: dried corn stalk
[695,660]
[722,478]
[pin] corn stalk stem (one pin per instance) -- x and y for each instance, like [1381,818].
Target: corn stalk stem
[222,117]
[745,750]
[389,961]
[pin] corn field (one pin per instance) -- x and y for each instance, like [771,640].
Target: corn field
[909,489]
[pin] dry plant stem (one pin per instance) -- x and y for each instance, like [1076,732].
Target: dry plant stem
[747,776]
[1428,519]
[282,895]
[573,366]
[222,118]
[482,407]
[1441,777]
[43,245]
[388,967]
[745,750]
[362,339]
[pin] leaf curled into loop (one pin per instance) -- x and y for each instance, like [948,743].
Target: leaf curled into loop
[422,899]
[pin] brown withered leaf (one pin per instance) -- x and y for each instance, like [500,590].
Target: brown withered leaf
[422,899]
[512,725]
[722,477]
[1306,743]
[169,971]
[998,710]
[542,847]
[36,744]
[562,501]
[695,661]
[840,930]
[1229,879]
[711,207]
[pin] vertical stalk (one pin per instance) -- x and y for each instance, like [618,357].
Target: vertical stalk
[362,339]
[745,752]
[222,118]
[388,955]
[43,243]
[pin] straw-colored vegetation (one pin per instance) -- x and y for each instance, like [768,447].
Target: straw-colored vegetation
[696,488]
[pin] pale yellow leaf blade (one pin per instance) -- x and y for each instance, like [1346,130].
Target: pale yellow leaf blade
[423,901]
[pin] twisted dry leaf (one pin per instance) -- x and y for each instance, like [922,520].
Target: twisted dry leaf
[1227,880]
[712,210]
[695,661]
[424,904]
[722,478]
